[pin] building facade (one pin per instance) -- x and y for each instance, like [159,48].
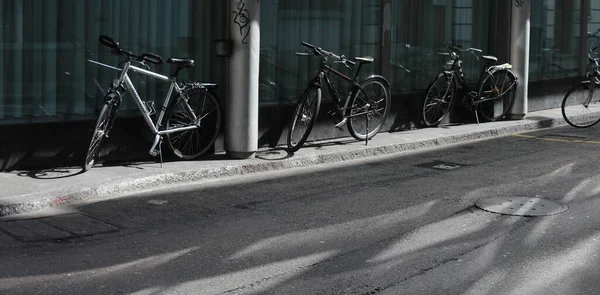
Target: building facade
[50,90]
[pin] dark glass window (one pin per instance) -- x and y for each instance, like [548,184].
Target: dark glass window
[348,27]
[45,46]
[421,28]
[555,39]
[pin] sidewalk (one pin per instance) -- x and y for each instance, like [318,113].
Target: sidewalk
[23,192]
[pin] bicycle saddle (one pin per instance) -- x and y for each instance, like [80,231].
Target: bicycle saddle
[490,58]
[364,59]
[182,62]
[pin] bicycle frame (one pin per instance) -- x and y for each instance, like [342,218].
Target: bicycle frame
[154,126]
[323,74]
[457,73]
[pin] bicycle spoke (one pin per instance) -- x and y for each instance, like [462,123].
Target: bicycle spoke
[579,109]
[369,108]
[189,144]
[497,90]
[437,101]
[100,130]
[303,119]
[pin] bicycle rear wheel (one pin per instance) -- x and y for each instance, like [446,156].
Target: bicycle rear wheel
[369,108]
[579,107]
[101,130]
[438,100]
[304,117]
[499,88]
[192,143]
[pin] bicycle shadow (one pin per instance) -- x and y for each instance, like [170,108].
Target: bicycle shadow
[322,145]
[53,173]
[276,154]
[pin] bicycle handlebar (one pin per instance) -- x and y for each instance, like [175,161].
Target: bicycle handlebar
[458,48]
[318,51]
[117,50]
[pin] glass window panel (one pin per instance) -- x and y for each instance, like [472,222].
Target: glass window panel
[555,39]
[348,27]
[45,46]
[593,19]
[421,29]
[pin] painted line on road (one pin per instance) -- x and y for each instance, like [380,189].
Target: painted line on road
[556,139]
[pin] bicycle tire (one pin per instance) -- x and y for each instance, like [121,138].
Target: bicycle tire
[191,144]
[575,112]
[305,115]
[501,88]
[438,100]
[375,95]
[101,130]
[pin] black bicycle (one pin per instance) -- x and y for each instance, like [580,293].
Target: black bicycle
[364,110]
[579,107]
[495,89]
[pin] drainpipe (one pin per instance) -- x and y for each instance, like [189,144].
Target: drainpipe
[519,54]
[241,136]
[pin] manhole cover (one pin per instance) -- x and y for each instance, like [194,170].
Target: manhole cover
[441,165]
[521,206]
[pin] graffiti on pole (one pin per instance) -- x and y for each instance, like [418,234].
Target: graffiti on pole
[519,3]
[242,19]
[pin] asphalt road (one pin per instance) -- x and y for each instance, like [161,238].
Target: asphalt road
[391,226]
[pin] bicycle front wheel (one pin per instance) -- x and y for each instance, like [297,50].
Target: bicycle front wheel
[438,100]
[192,143]
[579,107]
[305,116]
[498,90]
[368,108]
[101,129]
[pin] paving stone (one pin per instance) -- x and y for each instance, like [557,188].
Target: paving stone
[80,224]
[33,230]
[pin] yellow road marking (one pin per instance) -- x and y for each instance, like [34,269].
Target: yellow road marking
[556,139]
[525,136]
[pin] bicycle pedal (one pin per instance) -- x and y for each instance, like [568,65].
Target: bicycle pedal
[154,153]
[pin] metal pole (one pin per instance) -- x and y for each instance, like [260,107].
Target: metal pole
[519,54]
[241,136]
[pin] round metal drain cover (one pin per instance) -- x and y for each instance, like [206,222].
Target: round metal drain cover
[521,206]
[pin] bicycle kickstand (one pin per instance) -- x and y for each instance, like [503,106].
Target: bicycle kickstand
[476,116]
[367,128]
[157,142]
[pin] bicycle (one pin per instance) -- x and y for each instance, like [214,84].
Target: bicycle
[190,122]
[492,100]
[367,100]
[579,108]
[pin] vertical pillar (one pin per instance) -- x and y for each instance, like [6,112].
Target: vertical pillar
[241,135]
[584,46]
[519,54]
[385,49]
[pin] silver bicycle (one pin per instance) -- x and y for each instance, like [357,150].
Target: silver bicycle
[190,122]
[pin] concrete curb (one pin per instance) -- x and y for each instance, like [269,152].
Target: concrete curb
[75,195]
